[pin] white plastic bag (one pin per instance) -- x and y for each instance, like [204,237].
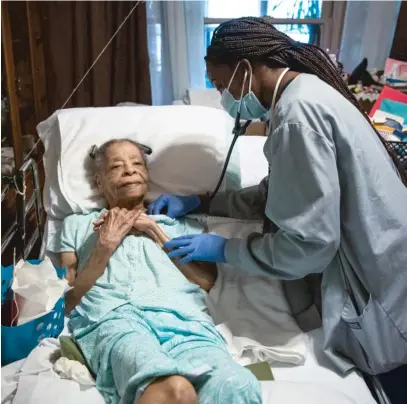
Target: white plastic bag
[37,289]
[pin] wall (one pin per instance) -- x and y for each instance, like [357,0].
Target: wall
[368,32]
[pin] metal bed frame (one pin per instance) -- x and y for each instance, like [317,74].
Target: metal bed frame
[23,207]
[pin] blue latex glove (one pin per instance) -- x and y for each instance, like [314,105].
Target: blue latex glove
[176,205]
[199,247]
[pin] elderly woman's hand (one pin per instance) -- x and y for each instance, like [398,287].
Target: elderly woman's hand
[113,226]
[100,220]
[144,224]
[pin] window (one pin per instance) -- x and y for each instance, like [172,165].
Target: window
[310,21]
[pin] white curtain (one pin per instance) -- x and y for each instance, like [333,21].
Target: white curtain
[176,48]
[368,32]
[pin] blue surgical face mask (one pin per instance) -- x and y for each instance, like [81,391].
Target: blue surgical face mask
[251,107]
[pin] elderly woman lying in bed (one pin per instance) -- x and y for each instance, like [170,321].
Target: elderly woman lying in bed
[141,320]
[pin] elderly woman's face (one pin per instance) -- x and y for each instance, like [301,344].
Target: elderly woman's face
[124,174]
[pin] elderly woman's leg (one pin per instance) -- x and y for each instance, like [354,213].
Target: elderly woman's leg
[171,389]
[125,354]
[228,382]
[203,357]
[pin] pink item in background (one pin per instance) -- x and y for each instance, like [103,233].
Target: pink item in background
[390,63]
[391,94]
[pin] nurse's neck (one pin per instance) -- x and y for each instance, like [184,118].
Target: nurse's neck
[269,82]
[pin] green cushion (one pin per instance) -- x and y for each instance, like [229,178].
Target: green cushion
[261,370]
[70,350]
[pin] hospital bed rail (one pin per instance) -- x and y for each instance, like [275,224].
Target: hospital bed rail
[18,227]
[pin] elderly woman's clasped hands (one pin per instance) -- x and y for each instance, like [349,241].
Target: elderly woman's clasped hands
[115,224]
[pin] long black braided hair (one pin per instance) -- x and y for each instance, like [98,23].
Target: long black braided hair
[257,40]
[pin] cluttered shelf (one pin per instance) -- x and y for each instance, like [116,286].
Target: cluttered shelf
[367,84]
[383,95]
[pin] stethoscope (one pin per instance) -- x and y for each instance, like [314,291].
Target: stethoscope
[238,130]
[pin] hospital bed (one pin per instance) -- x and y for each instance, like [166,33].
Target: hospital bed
[189,146]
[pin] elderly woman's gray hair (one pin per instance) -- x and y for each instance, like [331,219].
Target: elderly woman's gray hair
[98,153]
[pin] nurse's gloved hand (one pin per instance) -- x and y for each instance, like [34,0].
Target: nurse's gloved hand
[200,247]
[175,205]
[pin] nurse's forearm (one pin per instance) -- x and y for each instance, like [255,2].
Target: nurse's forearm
[240,204]
[202,274]
[87,278]
[246,204]
[282,254]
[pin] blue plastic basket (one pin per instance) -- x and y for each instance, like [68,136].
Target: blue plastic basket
[400,151]
[17,342]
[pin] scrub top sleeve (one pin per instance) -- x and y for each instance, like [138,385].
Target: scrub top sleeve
[247,204]
[305,206]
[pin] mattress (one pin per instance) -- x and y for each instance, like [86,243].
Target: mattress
[313,383]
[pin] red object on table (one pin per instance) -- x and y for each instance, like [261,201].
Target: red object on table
[389,94]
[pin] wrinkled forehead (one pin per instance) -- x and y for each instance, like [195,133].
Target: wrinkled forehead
[123,150]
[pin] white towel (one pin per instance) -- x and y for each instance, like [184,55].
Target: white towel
[74,370]
[252,312]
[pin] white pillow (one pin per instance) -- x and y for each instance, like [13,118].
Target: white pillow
[189,146]
[54,202]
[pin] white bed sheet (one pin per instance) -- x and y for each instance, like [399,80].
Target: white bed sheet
[312,383]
